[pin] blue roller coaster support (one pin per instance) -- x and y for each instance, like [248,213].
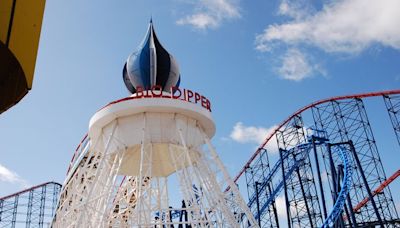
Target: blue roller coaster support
[371,197]
[258,203]
[321,189]
[302,151]
[285,186]
[318,137]
[345,186]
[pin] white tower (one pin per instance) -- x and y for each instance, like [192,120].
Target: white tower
[149,161]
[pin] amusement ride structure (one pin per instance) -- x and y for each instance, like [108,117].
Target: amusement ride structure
[147,161]
[140,148]
[330,174]
[32,207]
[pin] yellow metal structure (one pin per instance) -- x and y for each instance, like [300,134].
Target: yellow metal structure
[20,26]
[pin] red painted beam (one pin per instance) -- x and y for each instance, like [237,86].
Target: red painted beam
[28,189]
[377,190]
[76,152]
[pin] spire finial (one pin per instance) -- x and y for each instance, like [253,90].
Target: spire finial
[151,65]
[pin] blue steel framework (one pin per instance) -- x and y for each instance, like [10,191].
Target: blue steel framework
[302,198]
[393,106]
[283,174]
[32,207]
[254,173]
[312,190]
[347,120]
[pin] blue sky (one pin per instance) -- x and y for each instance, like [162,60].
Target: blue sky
[257,61]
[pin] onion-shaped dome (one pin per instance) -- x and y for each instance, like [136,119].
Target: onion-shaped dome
[151,65]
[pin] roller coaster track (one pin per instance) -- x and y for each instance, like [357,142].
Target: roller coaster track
[294,161]
[344,111]
[300,152]
[269,137]
[345,189]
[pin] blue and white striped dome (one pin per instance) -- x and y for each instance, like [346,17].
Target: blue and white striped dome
[151,65]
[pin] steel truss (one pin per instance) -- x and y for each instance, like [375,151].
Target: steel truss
[347,120]
[311,193]
[392,103]
[255,173]
[32,207]
[289,167]
[300,192]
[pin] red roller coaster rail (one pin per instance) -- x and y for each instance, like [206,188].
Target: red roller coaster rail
[377,190]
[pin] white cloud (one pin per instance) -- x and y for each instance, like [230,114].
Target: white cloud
[9,176]
[255,135]
[296,66]
[248,134]
[199,20]
[345,26]
[211,13]
[281,207]
[296,9]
